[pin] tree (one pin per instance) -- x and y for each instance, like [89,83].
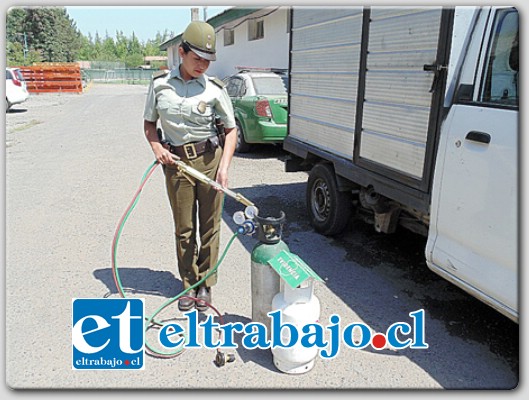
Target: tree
[122,45]
[108,49]
[134,46]
[46,33]
[37,34]
[133,60]
[86,51]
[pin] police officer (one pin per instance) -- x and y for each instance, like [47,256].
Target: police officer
[184,103]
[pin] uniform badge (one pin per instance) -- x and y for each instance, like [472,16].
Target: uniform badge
[202,107]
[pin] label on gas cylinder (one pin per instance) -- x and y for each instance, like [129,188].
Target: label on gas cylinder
[292,269]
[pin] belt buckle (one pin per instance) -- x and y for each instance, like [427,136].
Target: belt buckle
[190,151]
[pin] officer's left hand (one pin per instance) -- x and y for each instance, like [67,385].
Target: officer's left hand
[222,178]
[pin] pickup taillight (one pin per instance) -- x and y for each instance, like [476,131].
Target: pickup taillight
[262,108]
[17,82]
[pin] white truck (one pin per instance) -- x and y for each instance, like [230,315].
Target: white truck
[395,128]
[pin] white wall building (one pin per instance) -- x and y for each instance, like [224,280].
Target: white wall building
[246,37]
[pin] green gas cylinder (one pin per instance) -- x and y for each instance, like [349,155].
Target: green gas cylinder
[265,281]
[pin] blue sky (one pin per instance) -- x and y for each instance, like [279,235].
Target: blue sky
[144,21]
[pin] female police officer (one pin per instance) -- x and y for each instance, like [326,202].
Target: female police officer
[185,102]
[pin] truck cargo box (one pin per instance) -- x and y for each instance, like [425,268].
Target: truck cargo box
[366,92]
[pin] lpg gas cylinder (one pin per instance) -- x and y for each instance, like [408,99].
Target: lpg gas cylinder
[299,307]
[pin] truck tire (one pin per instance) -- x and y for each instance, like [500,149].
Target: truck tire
[329,209]
[242,145]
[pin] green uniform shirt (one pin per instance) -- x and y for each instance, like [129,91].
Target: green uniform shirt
[187,109]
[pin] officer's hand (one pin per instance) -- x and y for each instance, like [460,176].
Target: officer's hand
[163,156]
[222,178]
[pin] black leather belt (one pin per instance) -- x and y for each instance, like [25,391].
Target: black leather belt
[193,150]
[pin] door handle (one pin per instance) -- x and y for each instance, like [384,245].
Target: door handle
[436,69]
[480,137]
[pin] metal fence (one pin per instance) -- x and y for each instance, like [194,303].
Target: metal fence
[129,76]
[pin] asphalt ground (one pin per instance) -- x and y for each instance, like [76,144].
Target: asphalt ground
[73,164]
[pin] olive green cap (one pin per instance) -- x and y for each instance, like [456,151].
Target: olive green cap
[200,37]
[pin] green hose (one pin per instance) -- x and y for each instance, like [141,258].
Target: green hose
[150,320]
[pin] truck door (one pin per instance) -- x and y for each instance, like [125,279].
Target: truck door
[473,237]
[401,90]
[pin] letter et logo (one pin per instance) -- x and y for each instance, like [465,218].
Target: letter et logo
[108,334]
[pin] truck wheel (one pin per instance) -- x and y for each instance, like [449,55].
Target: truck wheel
[329,209]
[242,146]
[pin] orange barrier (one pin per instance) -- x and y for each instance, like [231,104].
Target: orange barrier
[53,77]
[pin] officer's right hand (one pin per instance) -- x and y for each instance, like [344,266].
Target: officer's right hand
[163,155]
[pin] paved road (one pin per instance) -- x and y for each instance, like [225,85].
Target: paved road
[73,163]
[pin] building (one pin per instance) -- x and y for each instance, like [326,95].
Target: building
[246,37]
[148,61]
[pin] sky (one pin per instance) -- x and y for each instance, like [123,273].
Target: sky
[144,21]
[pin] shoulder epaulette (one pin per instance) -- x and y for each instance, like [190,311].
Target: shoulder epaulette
[159,74]
[217,81]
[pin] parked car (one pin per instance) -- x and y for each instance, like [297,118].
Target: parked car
[16,88]
[260,104]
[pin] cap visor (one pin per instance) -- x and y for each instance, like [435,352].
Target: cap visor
[204,55]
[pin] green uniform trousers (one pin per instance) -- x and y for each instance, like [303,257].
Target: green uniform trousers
[196,254]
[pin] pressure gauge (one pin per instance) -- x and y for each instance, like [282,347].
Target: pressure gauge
[251,211]
[239,217]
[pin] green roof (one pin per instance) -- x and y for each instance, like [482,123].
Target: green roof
[231,14]
[225,17]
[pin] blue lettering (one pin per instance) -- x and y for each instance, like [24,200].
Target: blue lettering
[167,331]
[316,336]
[277,327]
[391,335]
[227,334]
[252,340]
[208,326]
[348,336]
[192,325]
[418,330]
[334,340]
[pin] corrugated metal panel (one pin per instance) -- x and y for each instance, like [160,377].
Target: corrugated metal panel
[410,155]
[327,111]
[401,41]
[407,90]
[337,59]
[397,122]
[330,138]
[306,16]
[337,86]
[324,77]
[346,30]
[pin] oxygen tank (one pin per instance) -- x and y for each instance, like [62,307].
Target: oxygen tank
[265,281]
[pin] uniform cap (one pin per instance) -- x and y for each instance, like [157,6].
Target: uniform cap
[200,36]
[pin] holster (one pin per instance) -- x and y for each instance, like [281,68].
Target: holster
[220,131]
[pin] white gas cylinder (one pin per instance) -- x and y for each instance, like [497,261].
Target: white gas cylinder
[299,307]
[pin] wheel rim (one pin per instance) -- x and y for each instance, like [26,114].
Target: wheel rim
[239,136]
[320,200]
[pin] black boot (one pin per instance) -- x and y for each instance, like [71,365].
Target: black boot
[204,296]
[184,303]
